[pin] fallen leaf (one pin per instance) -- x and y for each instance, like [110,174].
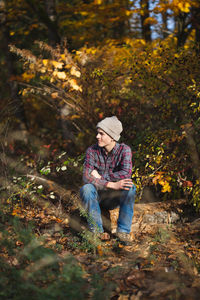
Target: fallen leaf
[57,64]
[75,72]
[99,249]
[58,220]
[54,95]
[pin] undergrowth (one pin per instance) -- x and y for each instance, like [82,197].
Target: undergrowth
[30,269]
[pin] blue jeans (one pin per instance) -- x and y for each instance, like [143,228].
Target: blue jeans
[92,199]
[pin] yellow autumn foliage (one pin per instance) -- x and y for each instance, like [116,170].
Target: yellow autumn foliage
[151,21]
[27,76]
[163,181]
[59,75]
[181,5]
[57,64]
[128,13]
[166,187]
[45,62]
[74,85]
[75,72]
[184,6]
[98,2]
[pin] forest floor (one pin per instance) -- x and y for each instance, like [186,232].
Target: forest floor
[163,261]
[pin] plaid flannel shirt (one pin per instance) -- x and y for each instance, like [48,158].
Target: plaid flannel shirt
[115,166]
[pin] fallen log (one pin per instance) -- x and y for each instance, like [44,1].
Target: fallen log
[52,186]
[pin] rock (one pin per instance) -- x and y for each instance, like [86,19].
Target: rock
[168,212]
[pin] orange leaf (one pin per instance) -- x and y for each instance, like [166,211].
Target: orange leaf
[16,212]
[74,85]
[18,243]
[54,95]
[187,183]
[58,220]
[99,249]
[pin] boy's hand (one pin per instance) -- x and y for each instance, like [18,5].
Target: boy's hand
[96,174]
[124,184]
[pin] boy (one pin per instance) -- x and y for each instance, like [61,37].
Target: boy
[107,176]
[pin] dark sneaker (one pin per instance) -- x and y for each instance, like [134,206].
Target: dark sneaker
[124,238]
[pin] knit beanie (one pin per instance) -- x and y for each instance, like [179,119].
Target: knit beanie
[112,126]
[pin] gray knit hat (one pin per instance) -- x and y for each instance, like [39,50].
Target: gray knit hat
[112,126]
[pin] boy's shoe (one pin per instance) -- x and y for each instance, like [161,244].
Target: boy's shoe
[124,238]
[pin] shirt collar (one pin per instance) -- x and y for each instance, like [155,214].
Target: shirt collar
[114,150]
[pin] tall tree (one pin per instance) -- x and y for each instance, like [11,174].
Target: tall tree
[46,13]
[14,98]
[195,20]
[164,14]
[53,35]
[182,21]
[186,14]
[144,15]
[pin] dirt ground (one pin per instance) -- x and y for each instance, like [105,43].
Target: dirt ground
[163,261]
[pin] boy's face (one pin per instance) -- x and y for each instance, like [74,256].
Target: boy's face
[103,138]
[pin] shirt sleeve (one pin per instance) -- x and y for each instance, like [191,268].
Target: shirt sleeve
[88,167]
[124,169]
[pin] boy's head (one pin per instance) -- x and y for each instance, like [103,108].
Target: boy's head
[112,126]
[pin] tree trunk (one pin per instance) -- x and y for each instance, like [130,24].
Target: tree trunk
[193,152]
[196,24]
[47,16]
[146,28]
[181,30]
[122,28]
[51,12]
[16,101]
[164,22]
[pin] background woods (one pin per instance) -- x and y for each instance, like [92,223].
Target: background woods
[79,61]
[64,66]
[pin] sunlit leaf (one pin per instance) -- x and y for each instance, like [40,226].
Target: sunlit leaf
[45,62]
[57,65]
[60,75]
[166,188]
[98,2]
[184,6]
[54,95]
[74,85]
[75,72]
[99,249]
[27,77]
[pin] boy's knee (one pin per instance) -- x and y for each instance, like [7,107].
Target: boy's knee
[131,193]
[133,189]
[87,189]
